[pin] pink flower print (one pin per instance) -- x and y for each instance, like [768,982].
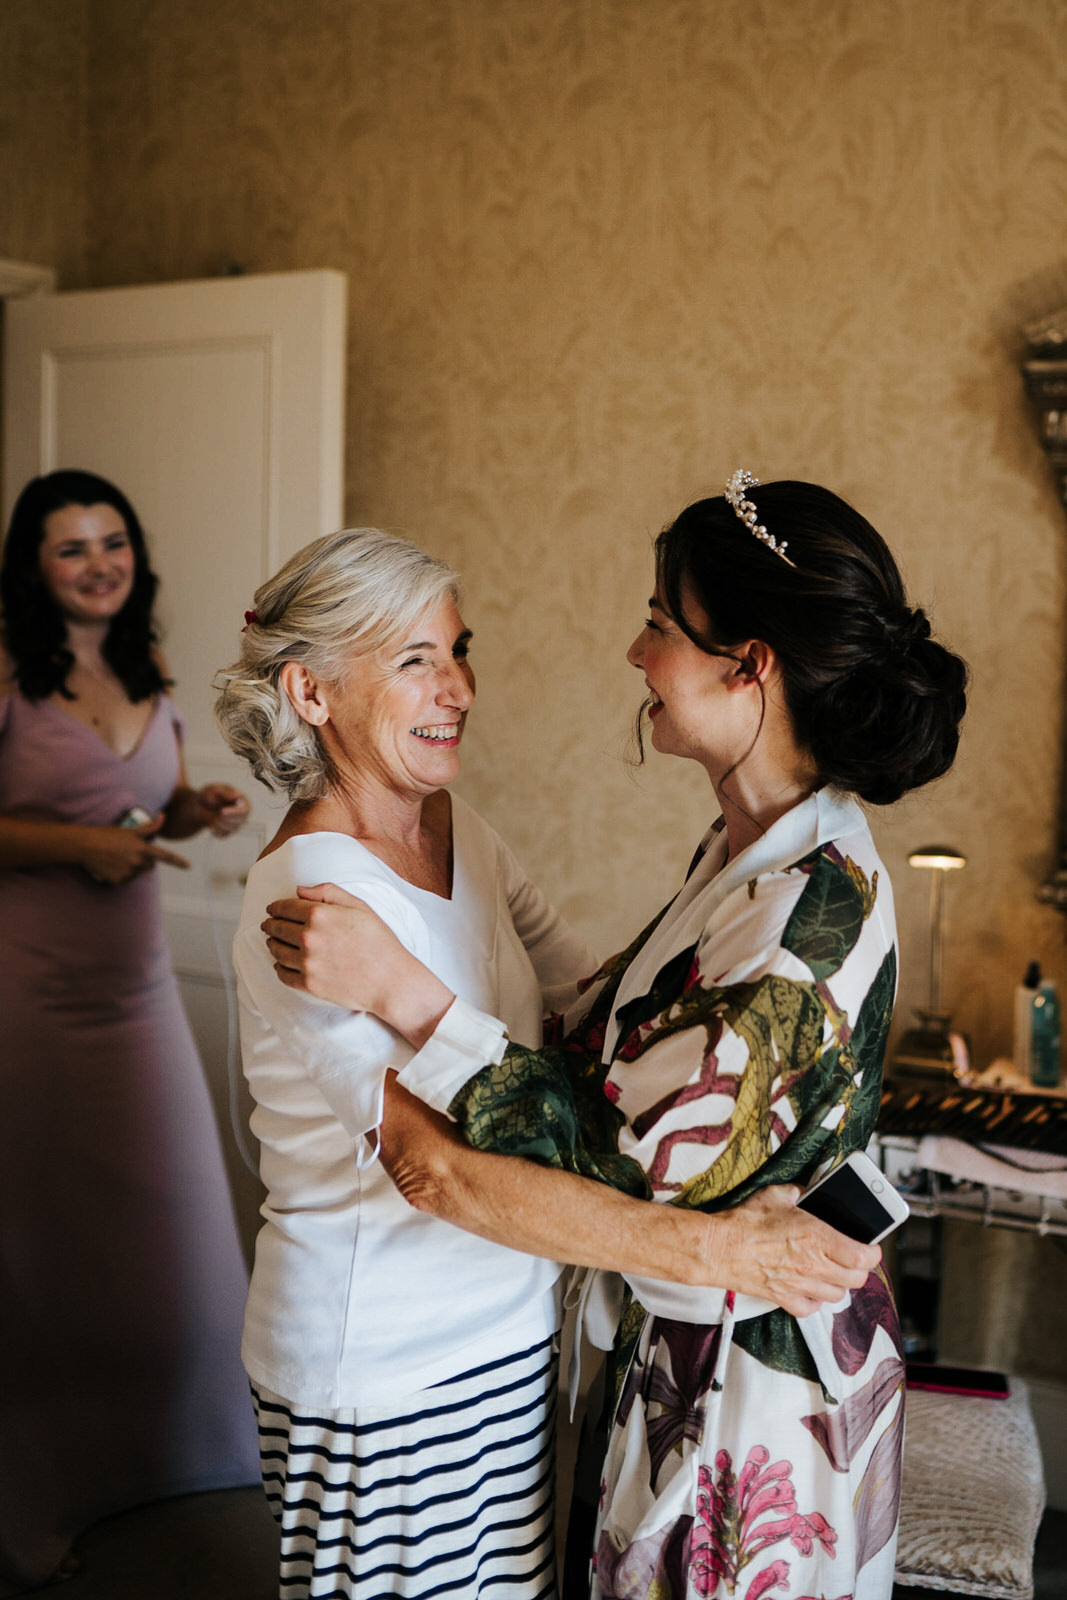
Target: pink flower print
[776,1576]
[806,1530]
[740,1516]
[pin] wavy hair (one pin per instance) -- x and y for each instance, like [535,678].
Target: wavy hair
[345,595]
[34,628]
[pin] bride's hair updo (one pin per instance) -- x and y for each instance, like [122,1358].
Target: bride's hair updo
[876,700]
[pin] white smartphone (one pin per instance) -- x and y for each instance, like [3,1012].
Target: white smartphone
[857,1199]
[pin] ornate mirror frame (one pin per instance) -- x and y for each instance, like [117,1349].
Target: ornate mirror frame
[1045,376]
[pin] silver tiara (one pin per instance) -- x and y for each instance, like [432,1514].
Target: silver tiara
[735,493]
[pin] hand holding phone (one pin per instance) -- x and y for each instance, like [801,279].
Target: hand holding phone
[857,1199]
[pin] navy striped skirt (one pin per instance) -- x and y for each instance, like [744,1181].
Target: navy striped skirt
[450,1494]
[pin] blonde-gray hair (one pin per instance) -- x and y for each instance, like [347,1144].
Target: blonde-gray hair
[342,596]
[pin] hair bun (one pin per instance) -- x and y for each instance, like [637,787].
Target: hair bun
[909,629]
[869,691]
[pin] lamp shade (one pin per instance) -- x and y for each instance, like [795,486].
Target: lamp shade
[941,857]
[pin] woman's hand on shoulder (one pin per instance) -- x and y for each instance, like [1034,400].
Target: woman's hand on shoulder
[327,942]
[331,944]
[767,1248]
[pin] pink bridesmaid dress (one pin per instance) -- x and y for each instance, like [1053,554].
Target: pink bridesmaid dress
[122,1282]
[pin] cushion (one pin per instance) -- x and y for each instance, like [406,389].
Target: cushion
[973,1495]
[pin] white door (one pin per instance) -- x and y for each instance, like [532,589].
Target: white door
[218,408]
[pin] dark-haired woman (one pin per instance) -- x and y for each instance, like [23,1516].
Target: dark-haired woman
[740,1039]
[121,1276]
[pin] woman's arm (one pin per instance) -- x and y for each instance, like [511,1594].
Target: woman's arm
[217,806]
[113,855]
[764,1248]
[337,949]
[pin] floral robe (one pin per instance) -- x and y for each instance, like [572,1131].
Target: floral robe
[738,1042]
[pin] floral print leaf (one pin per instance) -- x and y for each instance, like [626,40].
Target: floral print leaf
[622,1379]
[843,1431]
[669,981]
[781,1022]
[869,1309]
[827,1084]
[674,1396]
[871,1028]
[826,921]
[776,1341]
[878,1498]
[866,888]
[649,1569]
[530,1105]
[780,1018]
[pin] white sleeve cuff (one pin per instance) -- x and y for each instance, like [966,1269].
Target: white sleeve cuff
[464,1041]
[687,1302]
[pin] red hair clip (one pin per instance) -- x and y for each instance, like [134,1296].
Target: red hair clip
[250,618]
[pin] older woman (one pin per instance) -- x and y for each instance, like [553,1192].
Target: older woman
[739,1039]
[404,1370]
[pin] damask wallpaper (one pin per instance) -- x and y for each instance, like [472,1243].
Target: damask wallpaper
[599,253]
[44,134]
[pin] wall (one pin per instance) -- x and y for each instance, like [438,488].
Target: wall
[599,253]
[44,191]
[44,135]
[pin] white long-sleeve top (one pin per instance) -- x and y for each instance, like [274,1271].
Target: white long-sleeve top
[357,1298]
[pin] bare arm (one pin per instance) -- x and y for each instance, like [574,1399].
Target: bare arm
[113,855]
[764,1248]
[217,806]
[331,945]
[110,854]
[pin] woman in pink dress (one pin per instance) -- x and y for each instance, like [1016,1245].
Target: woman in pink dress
[122,1282]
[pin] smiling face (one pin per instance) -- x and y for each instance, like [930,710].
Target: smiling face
[398,717]
[694,708]
[87,562]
